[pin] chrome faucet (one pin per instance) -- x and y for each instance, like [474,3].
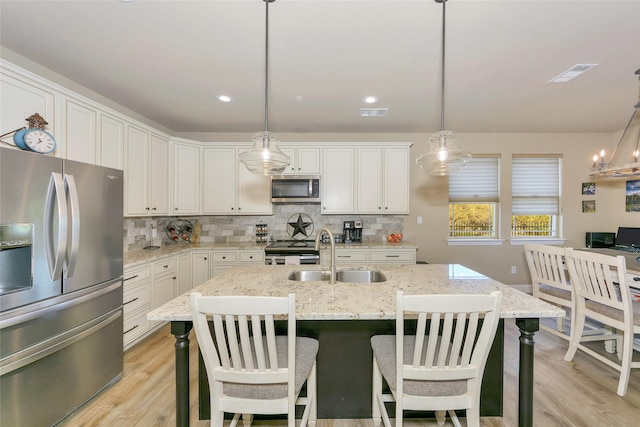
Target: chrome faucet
[332,280]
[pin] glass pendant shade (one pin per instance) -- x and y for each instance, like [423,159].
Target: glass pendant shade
[265,156]
[444,157]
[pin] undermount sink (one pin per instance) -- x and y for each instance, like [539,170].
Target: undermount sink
[360,276]
[349,276]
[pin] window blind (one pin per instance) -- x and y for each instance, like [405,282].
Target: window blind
[535,186]
[477,182]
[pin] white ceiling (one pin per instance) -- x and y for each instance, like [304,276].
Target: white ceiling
[169,60]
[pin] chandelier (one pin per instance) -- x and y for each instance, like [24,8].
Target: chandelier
[444,157]
[265,156]
[616,166]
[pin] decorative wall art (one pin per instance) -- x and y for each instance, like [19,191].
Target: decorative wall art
[588,188]
[588,206]
[632,201]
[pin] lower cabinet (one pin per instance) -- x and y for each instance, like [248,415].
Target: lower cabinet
[136,303]
[200,267]
[223,260]
[369,256]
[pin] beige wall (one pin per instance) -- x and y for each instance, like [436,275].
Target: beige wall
[429,195]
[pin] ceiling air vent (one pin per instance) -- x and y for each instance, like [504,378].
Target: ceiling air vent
[373,112]
[572,73]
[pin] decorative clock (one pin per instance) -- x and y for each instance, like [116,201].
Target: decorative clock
[34,138]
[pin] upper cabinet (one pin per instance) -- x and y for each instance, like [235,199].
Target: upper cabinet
[337,185]
[304,161]
[80,132]
[383,180]
[111,142]
[186,178]
[228,188]
[146,173]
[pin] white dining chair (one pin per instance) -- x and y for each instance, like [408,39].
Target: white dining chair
[602,293]
[250,369]
[439,368]
[549,280]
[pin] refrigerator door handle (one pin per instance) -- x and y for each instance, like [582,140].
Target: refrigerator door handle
[55,252]
[72,196]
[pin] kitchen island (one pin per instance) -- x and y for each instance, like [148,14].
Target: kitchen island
[360,303]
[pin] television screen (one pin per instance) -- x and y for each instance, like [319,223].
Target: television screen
[628,236]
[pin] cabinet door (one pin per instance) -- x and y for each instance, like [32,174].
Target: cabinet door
[80,132]
[186,179]
[254,193]
[369,181]
[396,181]
[136,172]
[219,184]
[164,289]
[111,142]
[293,167]
[185,267]
[308,161]
[200,270]
[337,181]
[159,175]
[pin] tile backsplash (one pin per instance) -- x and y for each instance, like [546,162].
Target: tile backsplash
[240,228]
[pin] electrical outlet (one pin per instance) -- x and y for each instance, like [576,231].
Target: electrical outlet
[154,232]
[419,220]
[513,269]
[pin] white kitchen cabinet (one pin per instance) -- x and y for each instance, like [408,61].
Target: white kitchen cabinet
[392,256]
[111,142]
[184,273]
[200,267]
[382,180]
[185,172]
[80,132]
[165,284]
[137,290]
[223,260]
[350,255]
[146,173]
[229,188]
[304,161]
[338,181]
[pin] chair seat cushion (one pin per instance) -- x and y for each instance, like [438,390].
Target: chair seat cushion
[614,313]
[556,292]
[384,350]
[306,351]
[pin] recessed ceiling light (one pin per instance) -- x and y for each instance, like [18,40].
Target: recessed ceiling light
[572,73]
[373,112]
[370,99]
[224,98]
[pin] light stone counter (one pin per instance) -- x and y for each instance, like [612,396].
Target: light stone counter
[364,301]
[133,258]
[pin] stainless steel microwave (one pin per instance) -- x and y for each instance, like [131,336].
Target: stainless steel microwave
[292,189]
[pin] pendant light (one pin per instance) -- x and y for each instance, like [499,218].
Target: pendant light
[616,166]
[265,156]
[444,157]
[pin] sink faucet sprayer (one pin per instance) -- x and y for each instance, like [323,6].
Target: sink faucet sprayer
[332,280]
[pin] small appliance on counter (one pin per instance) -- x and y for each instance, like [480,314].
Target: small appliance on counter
[352,231]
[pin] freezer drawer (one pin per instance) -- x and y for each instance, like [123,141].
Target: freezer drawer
[48,384]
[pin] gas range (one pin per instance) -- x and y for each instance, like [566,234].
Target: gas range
[276,252]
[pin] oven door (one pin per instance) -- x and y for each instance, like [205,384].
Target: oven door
[281,259]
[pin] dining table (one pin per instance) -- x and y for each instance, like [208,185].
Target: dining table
[353,307]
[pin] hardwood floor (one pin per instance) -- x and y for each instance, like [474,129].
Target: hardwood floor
[581,393]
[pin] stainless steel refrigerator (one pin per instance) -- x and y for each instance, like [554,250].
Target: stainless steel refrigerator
[60,285]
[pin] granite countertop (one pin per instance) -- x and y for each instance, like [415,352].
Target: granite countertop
[352,301]
[133,258]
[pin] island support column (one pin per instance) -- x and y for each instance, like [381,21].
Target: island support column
[180,331]
[528,327]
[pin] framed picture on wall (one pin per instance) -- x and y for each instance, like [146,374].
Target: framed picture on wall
[588,188]
[632,201]
[588,206]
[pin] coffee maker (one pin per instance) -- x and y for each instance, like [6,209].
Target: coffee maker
[352,231]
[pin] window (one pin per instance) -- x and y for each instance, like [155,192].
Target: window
[535,190]
[473,199]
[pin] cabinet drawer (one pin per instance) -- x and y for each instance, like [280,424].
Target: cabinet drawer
[136,297]
[164,266]
[356,256]
[136,275]
[225,257]
[252,257]
[135,327]
[394,256]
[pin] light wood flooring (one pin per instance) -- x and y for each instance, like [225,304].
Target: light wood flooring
[581,393]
